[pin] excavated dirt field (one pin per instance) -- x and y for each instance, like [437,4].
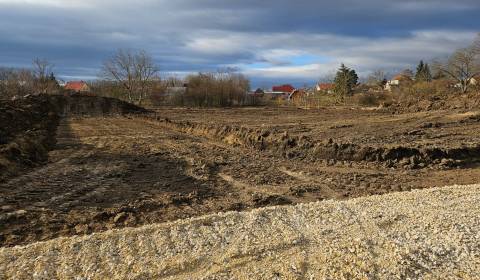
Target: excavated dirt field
[115,172]
[423,234]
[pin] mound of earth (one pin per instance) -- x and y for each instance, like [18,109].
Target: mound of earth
[422,103]
[423,234]
[309,147]
[27,132]
[28,126]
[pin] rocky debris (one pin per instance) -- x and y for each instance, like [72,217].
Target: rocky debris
[472,119]
[423,234]
[262,200]
[305,148]
[120,217]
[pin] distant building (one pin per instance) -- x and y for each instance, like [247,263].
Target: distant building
[283,88]
[77,86]
[475,81]
[297,95]
[279,92]
[325,87]
[396,81]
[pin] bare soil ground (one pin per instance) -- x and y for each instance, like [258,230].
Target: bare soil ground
[423,234]
[129,171]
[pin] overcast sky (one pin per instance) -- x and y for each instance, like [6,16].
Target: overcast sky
[271,41]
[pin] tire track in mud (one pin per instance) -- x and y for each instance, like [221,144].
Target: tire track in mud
[71,181]
[324,188]
[116,172]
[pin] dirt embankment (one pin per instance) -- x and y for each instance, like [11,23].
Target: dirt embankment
[427,234]
[28,126]
[422,103]
[27,133]
[93,106]
[302,147]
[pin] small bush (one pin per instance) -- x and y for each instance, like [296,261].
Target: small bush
[367,99]
[371,99]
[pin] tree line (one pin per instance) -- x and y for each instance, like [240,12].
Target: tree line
[135,77]
[38,79]
[461,68]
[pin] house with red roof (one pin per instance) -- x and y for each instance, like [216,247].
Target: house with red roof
[297,95]
[325,87]
[397,80]
[77,86]
[283,88]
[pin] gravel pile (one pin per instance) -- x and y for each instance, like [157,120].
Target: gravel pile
[427,234]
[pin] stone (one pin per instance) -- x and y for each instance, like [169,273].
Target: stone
[120,217]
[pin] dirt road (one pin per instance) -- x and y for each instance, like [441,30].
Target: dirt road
[424,234]
[125,172]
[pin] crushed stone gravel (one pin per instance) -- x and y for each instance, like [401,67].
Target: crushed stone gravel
[422,234]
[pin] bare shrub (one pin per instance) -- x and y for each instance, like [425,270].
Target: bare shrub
[367,99]
[107,88]
[371,99]
[16,82]
[438,88]
[220,89]
[44,81]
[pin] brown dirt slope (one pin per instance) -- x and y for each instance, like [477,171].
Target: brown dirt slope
[28,126]
[27,132]
[411,140]
[423,234]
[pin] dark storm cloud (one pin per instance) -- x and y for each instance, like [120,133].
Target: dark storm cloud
[202,35]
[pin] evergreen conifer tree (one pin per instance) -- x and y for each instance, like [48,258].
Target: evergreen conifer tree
[345,80]
[423,72]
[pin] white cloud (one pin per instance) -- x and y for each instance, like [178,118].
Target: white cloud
[264,38]
[363,54]
[50,3]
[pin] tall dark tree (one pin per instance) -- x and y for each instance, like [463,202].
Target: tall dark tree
[420,67]
[423,72]
[427,74]
[53,83]
[52,77]
[345,80]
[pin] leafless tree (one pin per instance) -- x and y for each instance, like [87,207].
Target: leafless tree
[42,69]
[15,82]
[217,89]
[135,71]
[408,73]
[462,66]
[377,78]
[327,78]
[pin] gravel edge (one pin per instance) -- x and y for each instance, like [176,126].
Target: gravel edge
[422,234]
